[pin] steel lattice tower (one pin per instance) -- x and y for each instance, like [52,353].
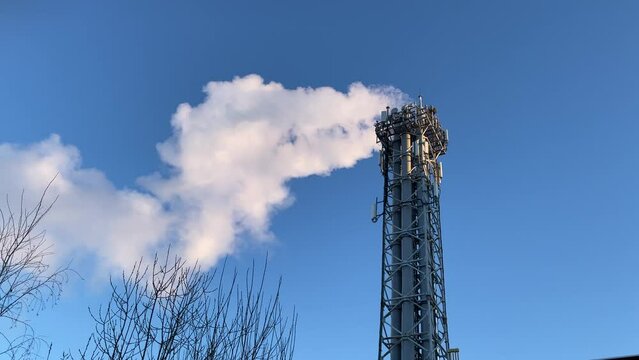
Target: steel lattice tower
[413,324]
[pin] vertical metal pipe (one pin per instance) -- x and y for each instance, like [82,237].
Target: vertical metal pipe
[407,249]
[427,319]
[396,315]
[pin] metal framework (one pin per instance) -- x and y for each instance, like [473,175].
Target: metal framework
[413,324]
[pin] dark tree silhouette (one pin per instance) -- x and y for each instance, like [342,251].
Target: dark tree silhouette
[170,310]
[27,282]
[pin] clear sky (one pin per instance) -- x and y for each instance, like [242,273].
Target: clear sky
[539,206]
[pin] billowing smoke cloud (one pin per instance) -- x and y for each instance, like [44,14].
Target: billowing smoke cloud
[230,159]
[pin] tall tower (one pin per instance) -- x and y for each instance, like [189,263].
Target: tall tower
[413,324]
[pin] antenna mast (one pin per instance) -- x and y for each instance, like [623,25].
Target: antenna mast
[413,323]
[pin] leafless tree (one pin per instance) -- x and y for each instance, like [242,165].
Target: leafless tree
[27,281]
[170,310]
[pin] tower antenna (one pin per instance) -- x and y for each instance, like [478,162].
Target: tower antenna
[413,322]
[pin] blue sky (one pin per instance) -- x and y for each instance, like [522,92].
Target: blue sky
[539,209]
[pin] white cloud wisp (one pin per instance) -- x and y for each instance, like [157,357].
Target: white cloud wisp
[230,158]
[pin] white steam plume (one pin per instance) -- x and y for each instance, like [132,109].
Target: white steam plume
[230,158]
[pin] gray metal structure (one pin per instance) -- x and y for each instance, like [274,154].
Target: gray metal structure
[413,324]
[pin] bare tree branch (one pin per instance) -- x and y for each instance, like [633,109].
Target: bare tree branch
[169,310]
[27,281]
